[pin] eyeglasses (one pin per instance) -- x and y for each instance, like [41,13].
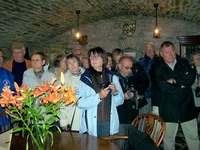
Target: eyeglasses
[95,57]
[169,52]
[36,60]
[15,53]
[127,68]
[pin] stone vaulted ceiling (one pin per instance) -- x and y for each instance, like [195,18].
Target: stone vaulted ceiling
[37,22]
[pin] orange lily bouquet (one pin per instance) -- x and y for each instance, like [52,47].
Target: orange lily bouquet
[37,108]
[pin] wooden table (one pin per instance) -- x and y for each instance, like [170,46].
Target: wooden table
[69,141]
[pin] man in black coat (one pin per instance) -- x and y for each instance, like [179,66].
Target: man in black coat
[132,79]
[172,78]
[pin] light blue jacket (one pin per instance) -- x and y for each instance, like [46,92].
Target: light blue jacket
[89,100]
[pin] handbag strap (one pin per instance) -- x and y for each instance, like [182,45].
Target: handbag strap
[73,116]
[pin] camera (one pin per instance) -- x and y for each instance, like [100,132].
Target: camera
[135,96]
[105,85]
[138,100]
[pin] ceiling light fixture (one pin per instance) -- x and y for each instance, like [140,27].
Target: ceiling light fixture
[78,33]
[156,33]
[82,39]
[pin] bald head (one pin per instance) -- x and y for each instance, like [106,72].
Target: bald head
[125,65]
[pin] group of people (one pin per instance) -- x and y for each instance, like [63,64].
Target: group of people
[113,88]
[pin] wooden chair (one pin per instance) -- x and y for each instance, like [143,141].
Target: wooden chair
[5,131]
[4,122]
[151,124]
[115,137]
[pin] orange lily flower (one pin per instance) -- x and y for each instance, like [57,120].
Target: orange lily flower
[53,97]
[54,94]
[36,93]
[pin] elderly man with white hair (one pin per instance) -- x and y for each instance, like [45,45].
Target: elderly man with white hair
[146,62]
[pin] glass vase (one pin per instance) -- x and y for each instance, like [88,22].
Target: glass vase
[40,142]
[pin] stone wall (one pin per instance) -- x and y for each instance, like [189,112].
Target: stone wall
[109,34]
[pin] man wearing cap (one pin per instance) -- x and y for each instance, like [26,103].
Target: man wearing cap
[77,52]
[84,59]
[18,64]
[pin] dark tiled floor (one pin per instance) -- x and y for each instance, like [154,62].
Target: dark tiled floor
[180,140]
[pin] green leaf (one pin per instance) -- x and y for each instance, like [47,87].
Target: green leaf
[18,129]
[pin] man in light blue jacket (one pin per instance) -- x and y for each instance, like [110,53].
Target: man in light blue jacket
[97,100]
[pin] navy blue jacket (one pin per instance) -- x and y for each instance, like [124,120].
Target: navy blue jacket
[146,63]
[6,79]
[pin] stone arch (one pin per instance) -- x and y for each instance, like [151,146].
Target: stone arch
[131,45]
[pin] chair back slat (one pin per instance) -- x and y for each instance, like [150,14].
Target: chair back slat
[5,124]
[152,125]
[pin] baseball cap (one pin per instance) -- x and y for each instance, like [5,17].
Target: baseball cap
[84,53]
[77,48]
[18,45]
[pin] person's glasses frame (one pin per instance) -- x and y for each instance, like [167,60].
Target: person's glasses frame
[127,68]
[16,53]
[36,60]
[95,57]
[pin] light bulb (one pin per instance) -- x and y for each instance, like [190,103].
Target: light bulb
[156,30]
[78,35]
[156,33]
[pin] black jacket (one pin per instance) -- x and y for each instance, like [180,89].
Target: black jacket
[175,104]
[140,82]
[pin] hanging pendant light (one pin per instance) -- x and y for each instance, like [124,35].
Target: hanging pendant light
[156,33]
[78,33]
[82,39]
